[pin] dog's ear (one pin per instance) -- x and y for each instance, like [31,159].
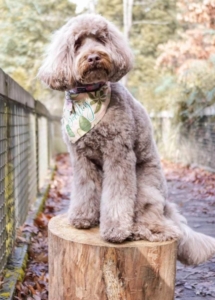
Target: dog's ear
[57,68]
[121,54]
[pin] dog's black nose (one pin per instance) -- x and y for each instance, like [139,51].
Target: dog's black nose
[93,58]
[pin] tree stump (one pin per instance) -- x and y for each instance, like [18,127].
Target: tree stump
[83,266]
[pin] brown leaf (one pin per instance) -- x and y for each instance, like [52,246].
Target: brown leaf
[36,297]
[42,220]
[42,257]
[32,289]
[21,239]
[30,228]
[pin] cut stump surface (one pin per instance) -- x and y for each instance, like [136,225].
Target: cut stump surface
[84,267]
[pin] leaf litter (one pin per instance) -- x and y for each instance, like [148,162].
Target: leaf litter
[35,283]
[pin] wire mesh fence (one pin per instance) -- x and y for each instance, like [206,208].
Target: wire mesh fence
[18,160]
[26,150]
[190,144]
[3,162]
[201,137]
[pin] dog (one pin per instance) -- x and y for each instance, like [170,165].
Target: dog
[118,180]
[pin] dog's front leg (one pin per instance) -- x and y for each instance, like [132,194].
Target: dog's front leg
[118,194]
[86,192]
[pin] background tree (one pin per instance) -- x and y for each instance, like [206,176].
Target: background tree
[153,23]
[25,30]
[174,58]
[189,60]
[112,10]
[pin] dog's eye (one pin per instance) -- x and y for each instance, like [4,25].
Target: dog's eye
[101,40]
[77,44]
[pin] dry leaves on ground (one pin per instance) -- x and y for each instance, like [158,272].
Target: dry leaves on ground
[35,284]
[203,181]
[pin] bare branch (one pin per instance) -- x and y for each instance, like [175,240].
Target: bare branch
[151,22]
[127,17]
[146,3]
[149,5]
[127,22]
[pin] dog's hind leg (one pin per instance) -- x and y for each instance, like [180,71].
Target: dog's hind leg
[86,192]
[150,222]
[159,220]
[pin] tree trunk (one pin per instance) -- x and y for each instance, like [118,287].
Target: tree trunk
[82,266]
[127,24]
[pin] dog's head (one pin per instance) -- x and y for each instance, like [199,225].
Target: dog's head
[88,49]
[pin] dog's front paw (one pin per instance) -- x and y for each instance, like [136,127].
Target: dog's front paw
[140,233]
[82,218]
[115,233]
[83,223]
[156,234]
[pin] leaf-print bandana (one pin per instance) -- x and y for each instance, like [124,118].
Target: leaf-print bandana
[82,111]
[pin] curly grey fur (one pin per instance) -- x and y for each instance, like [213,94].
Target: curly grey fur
[117,177]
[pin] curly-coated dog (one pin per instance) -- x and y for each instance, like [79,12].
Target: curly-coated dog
[117,176]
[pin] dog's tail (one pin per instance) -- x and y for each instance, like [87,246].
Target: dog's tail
[193,247]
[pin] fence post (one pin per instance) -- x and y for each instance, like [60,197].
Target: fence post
[37,151]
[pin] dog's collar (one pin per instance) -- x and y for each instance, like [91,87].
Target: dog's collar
[86,88]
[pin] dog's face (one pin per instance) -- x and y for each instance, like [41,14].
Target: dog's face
[92,59]
[86,50]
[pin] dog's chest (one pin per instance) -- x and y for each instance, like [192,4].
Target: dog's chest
[95,142]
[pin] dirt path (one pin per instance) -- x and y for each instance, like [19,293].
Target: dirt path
[192,189]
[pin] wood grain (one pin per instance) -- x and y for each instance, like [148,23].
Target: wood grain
[83,266]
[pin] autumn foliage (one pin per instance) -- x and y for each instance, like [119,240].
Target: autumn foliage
[187,63]
[196,38]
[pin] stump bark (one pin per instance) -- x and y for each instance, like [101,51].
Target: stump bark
[83,266]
